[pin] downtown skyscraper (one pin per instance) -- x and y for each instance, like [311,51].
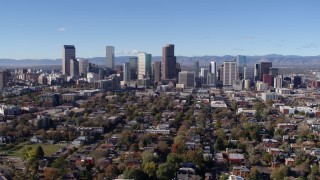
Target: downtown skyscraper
[110,58]
[265,68]
[68,53]
[241,63]
[156,71]
[229,72]
[144,65]
[212,75]
[126,72]
[169,64]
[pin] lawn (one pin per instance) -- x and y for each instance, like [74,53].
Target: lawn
[48,149]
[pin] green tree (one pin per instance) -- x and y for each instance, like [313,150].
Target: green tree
[165,171]
[280,172]
[223,177]
[315,169]
[219,144]
[39,153]
[148,156]
[61,165]
[135,173]
[150,169]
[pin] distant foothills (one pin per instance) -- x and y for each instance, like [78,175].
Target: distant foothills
[277,60]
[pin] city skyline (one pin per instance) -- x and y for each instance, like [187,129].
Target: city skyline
[37,30]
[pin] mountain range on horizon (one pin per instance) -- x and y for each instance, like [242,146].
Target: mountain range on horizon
[276,59]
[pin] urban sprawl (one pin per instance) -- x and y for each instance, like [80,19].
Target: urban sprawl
[148,119]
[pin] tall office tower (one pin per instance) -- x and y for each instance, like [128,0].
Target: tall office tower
[68,52]
[110,58]
[211,79]
[213,67]
[178,69]
[93,68]
[241,63]
[220,73]
[144,66]
[187,78]
[277,82]
[74,68]
[169,67]
[204,75]
[265,68]
[274,71]
[3,78]
[229,73]
[212,75]
[83,66]
[196,69]
[256,72]
[156,71]
[102,74]
[133,67]
[119,69]
[248,73]
[297,81]
[126,72]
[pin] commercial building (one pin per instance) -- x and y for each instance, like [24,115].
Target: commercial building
[169,64]
[212,74]
[229,73]
[126,72]
[204,75]
[50,100]
[9,110]
[274,71]
[83,67]
[3,78]
[133,67]
[265,68]
[68,52]
[157,71]
[261,86]
[277,82]
[297,81]
[187,78]
[248,73]
[241,63]
[110,58]
[144,65]
[268,79]
[257,72]
[196,69]
[111,83]
[74,68]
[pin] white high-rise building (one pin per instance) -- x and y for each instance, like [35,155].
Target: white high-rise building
[144,65]
[212,75]
[277,83]
[110,57]
[230,72]
[83,66]
[213,67]
[126,72]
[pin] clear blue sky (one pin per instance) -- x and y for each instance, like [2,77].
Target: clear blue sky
[38,28]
